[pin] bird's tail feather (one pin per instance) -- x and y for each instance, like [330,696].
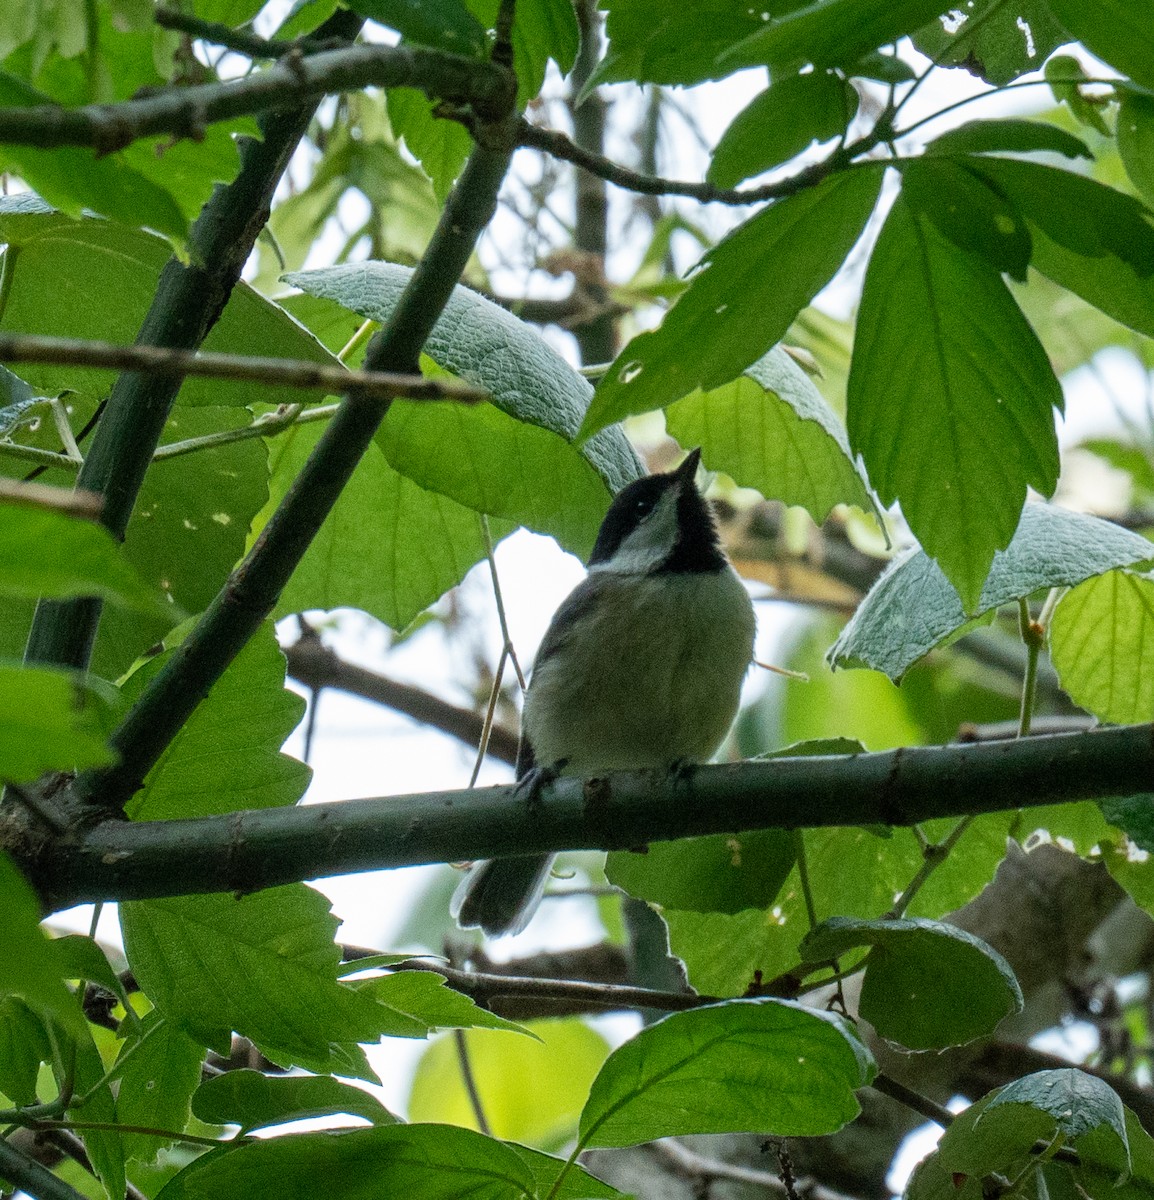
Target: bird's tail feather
[501,895]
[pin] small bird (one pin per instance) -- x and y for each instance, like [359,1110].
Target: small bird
[641,667]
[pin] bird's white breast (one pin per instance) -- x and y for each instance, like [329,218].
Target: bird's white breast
[652,676]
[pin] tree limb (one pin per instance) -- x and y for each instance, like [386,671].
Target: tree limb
[295,80]
[189,298]
[313,664]
[245,851]
[282,372]
[251,592]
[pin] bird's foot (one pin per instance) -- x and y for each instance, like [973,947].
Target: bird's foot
[530,785]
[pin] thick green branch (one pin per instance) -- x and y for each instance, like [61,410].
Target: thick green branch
[251,592]
[120,860]
[185,112]
[189,298]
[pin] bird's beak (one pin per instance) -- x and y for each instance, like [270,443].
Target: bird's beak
[687,472]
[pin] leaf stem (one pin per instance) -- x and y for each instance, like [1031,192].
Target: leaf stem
[1033,635]
[470,1082]
[933,855]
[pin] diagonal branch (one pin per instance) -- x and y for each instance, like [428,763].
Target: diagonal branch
[189,298]
[251,592]
[244,851]
[185,112]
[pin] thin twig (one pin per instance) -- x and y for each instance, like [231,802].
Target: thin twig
[87,505]
[497,596]
[470,1082]
[237,40]
[930,1109]
[933,855]
[279,372]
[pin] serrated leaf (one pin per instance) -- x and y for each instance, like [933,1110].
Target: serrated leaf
[76,179]
[255,1101]
[1117,31]
[160,1073]
[771,429]
[997,40]
[927,985]
[227,756]
[829,33]
[531,1089]
[50,720]
[577,1183]
[912,608]
[726,873]
[1092,240]
[388,547]
[421,1162]
[55,555]
[950,397]
[445,24]
[1102,646]
[427,999]
[745,1066]
[966,210]
[1135,133]
[682,47]
[263,965]
[785,119]
[82,958]
[108,273]
[750,288]
[440,146]
[105,1146]
[480,342]
[1007,135]
[28,967]
[24,1045]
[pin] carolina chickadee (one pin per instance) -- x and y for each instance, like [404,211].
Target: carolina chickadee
[641,667]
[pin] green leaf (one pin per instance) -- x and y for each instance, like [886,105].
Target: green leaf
[965,209]
[227,756]
[751,287]
[1102,646]
[912,608]
[480,342]
[785,119]
[255,1101]
[55,555]
[996,40]
[109,273]
[1135,133]
[28,967]
[420,1162]
[75,179]
[829,33]
[745,1066]
[24,1045]
[950,397]
[577,1183]
[445,24]
[543,30]
[1117,31]
[927,985]
[263,965]
[531,1089]
[1092,240]
[82,958]
[161,1071]
[1082,1107]
[771,429]
[511,459]
[1066,76]
[1007,135]
[725,873]
[388,547]
[50,720]
[425,998]
[105,1146]
[1134,815]
[439,145]
[677,44]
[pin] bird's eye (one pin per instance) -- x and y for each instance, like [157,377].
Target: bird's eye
[643,506]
